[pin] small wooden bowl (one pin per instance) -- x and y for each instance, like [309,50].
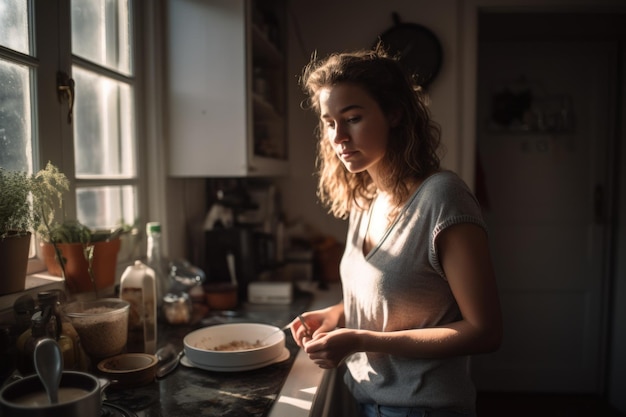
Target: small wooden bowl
[129,369]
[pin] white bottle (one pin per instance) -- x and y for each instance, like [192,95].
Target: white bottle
[155,261]
[138,287]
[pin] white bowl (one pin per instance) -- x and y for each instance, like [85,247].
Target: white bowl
[200,345]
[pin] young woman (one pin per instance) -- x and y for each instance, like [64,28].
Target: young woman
[419,292]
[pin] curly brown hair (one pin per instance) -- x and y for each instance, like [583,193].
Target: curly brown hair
[412,152]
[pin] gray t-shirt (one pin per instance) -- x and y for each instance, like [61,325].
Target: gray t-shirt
[401,285]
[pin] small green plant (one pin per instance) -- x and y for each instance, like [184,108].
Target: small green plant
[29,202]
[15,210]
[72,231]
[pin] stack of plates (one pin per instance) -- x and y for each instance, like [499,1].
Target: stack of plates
[200,347]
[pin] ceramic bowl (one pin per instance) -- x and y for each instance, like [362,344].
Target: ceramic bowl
[102,325]
[200,345]
[129,369]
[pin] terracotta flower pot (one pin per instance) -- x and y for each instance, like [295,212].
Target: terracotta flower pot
[13,263]
[77,276]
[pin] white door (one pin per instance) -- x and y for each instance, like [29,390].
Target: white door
[545,179]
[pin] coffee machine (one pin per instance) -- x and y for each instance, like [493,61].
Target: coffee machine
[253,252]
[238,226]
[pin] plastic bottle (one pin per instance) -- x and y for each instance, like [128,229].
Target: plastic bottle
[137,286]
[155,261]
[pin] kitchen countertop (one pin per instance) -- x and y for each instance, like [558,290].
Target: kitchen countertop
[286,389]
[303,383]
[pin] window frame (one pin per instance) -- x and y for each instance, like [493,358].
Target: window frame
[53,137]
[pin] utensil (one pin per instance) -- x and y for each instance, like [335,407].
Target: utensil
[230,260]
[168,360]
[282,329]
[419,49]
[307,329]
[49,367]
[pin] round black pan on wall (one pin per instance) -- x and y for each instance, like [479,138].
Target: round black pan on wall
[417,47]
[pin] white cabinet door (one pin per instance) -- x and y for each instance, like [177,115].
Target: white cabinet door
[209,75]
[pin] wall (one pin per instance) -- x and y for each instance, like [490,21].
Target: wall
[329,26]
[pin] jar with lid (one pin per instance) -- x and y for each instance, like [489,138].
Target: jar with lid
[177,308]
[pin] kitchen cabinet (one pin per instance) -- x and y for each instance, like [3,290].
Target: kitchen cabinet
[226,86]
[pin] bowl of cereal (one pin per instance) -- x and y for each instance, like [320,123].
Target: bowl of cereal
[235,347]
[102,325]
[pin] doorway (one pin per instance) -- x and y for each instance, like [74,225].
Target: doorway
[545,128]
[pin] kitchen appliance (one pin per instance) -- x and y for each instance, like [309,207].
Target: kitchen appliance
[253,252]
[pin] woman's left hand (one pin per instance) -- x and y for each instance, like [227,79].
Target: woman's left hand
[328,350]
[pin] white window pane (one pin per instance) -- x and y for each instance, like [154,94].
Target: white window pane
[100,32]
[16,151]
[106,207]
[14,25]
[103,127]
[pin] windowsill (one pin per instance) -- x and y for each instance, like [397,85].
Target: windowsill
[43,281]
[40,281]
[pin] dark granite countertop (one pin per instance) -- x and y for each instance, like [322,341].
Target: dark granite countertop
[196,392]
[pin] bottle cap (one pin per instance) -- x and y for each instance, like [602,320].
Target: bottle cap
[153,227]
[47,297]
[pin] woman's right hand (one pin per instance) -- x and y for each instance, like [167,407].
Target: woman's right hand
[318,321]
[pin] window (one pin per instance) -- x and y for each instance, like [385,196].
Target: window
[104,135]
[16,76]
[87,129]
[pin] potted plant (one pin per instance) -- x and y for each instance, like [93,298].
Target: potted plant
[86,258]
[26,203]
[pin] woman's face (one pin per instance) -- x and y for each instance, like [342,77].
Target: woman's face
[355,125]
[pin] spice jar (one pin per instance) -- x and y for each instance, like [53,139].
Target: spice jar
[177,308]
